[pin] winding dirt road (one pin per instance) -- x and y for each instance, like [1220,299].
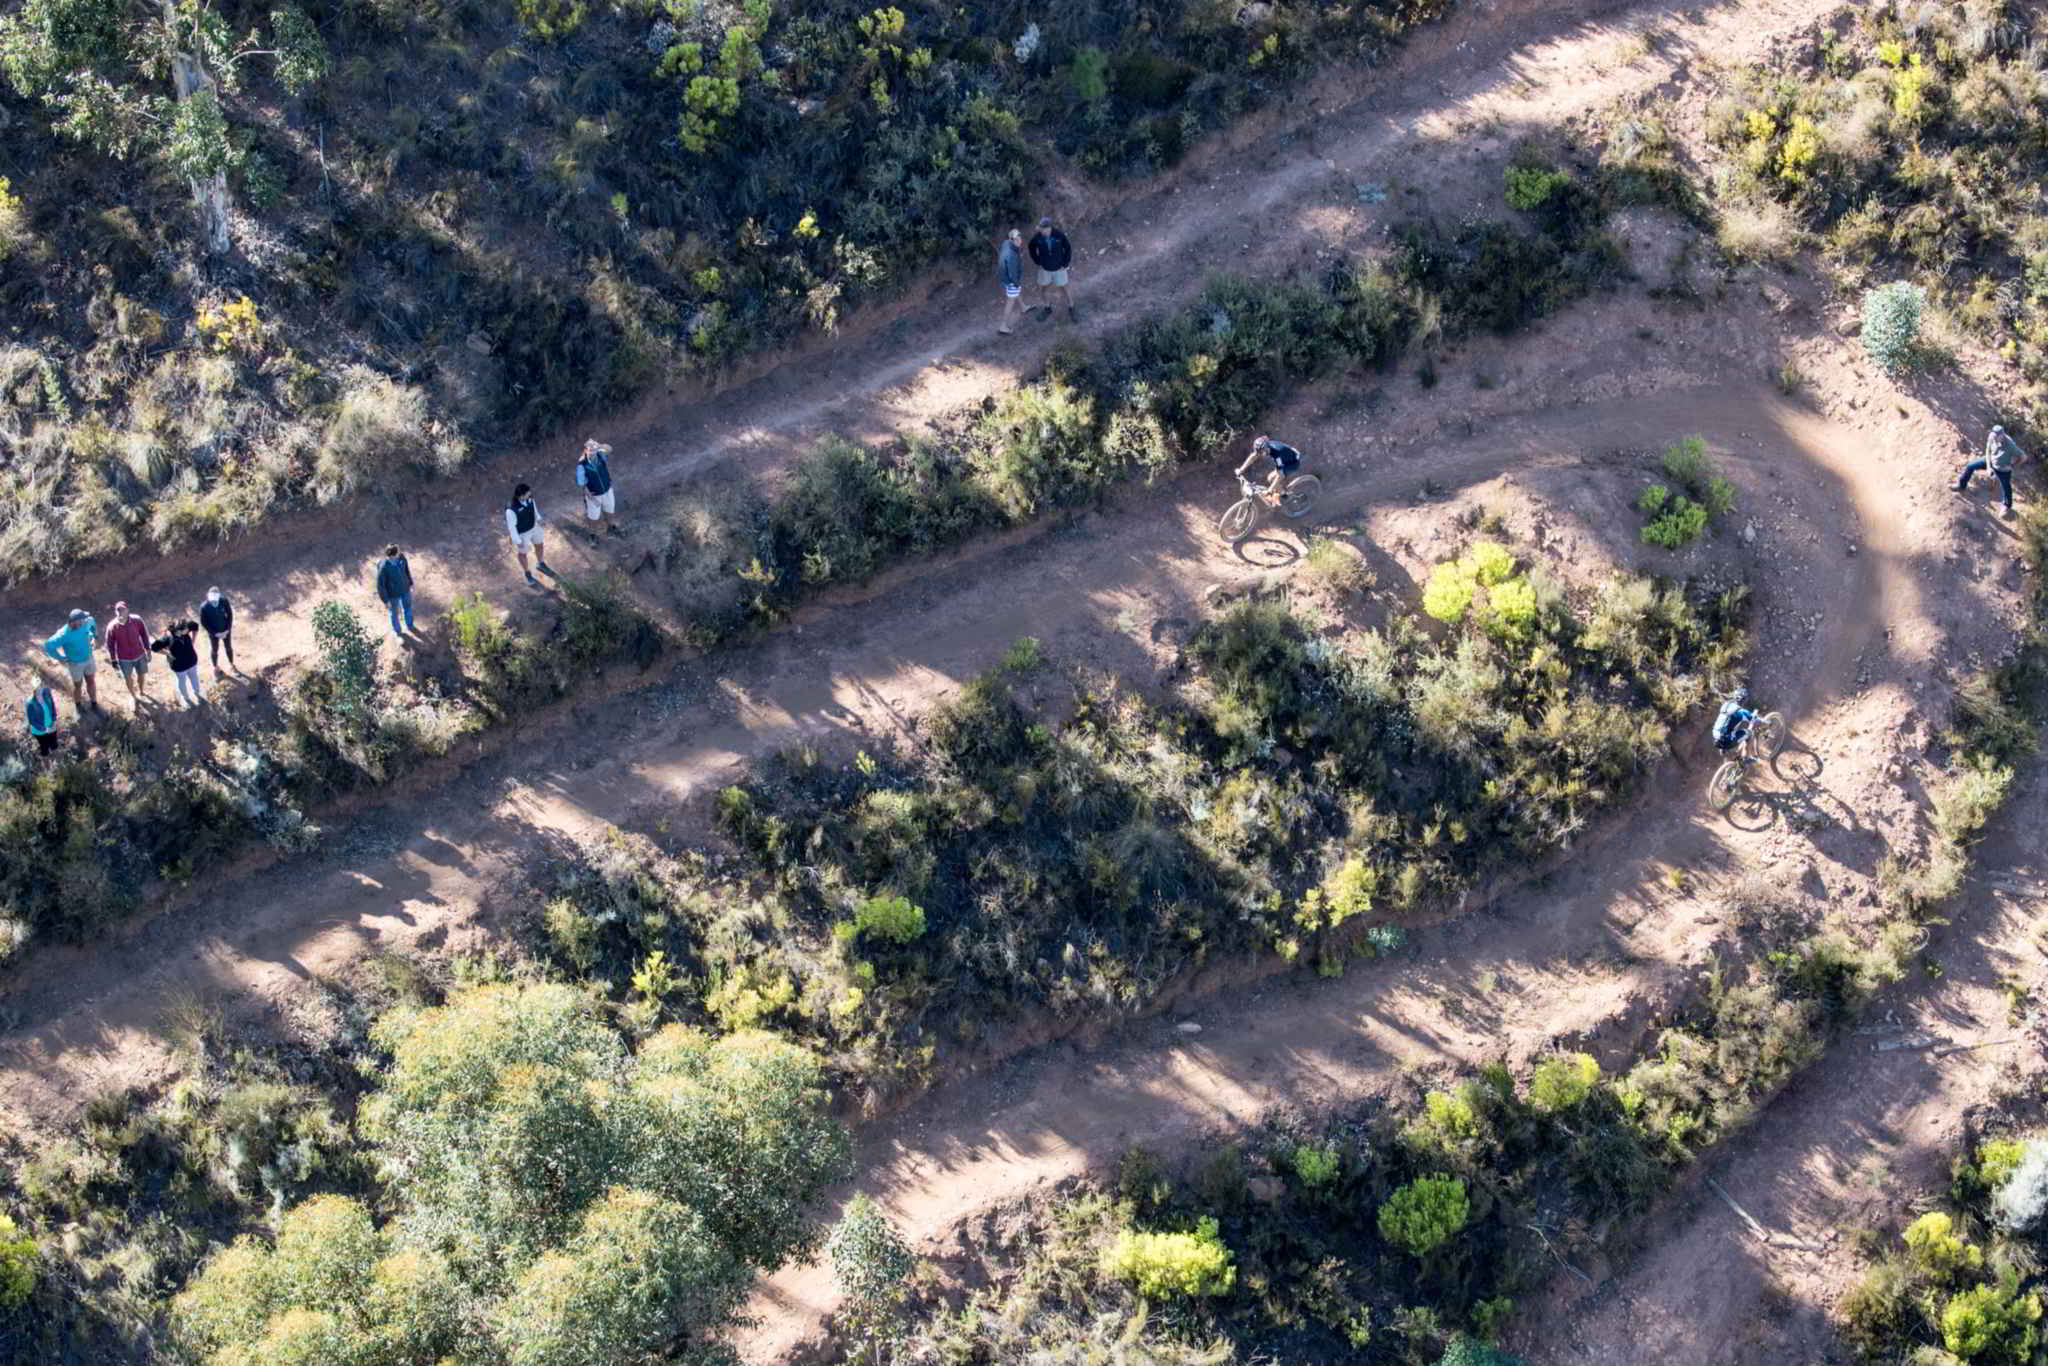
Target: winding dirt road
[1861,622]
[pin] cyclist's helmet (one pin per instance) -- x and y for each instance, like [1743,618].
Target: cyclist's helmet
[1739,696]
[1260,443]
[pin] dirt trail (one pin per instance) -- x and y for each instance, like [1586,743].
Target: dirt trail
[1858,1138]
[398,877]
[1140,251]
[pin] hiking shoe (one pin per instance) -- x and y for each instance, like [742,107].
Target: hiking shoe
[1042,313]
[542,566]
[532,582]
[1072,316]
[612,529]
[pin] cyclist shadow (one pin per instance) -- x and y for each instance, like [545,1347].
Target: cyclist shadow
[1801,803]
[1271,552]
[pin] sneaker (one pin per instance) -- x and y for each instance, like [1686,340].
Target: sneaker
[612,529]
[532,582]
[542,566]
[2008,510]
[1042,313]
[1072,316]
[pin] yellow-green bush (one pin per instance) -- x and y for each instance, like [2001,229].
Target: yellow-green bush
[1425,1214]
[1172,1265]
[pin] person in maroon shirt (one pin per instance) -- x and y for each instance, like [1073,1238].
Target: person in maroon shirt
[128,643]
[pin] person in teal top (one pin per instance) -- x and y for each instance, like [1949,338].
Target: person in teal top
[74,645]
[41,711]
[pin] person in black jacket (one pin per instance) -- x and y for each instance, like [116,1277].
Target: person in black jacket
[1052,254]
[394,588]
[180,650]
[217,615]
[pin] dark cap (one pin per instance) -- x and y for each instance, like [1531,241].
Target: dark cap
[1045,222]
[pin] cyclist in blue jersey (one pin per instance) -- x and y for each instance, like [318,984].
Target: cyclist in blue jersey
[1286,462]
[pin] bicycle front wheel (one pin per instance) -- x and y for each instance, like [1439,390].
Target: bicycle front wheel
[1768,737]
[1721,792]
[1300,495]
[1237,523]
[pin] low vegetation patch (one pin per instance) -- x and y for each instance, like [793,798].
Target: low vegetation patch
[1062,846]
[1696,496]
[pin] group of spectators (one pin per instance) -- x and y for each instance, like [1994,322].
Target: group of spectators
[129,643]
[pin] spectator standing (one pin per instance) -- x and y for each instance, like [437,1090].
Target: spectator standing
[528,530]
[1052,254]
[41,711]
[2001,453]
[179,645]
[128,645]
[1010,261]
[394,588]
[217,615]
[594,477]
[73,645]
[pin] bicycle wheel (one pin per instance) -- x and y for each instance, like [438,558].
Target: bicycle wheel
[1768,736]
[1727,783]
[1238,523]
[1300,495]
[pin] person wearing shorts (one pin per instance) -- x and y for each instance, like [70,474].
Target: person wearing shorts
[73,646]
[1010,260]
[594,477]
[1052,254]
[128,647]
[528,531]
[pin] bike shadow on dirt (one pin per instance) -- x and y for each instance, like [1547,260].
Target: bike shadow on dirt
[1267,552]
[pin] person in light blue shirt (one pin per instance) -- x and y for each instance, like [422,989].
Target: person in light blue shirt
[74,646]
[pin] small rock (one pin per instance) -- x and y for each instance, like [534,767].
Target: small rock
[1266,1189]
[1749,533]
[1188,1027]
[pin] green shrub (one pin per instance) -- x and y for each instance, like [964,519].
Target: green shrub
[1676,525]
[18,1265]
[1996,1324]
[1530,187]
[872,1265]
[1425,1214]
[893,918]
[1316,1164]
[1563,1082]
[1937,1248]
[347,655]
[1469,1351]
[1172,1265]
[1891,323]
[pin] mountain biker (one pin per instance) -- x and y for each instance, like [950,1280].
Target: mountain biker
[1734,721]
[1286,463]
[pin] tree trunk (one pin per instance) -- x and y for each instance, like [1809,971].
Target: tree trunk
[210,194]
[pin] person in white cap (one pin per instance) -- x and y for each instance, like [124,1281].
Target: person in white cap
[594,477]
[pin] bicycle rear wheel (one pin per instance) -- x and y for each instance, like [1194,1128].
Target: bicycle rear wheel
[1727,783]
[1300,495]
[1238,523]
[1768,737]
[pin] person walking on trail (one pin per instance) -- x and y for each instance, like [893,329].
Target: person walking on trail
[73,645]
[1010,261]
[179,645]
[1286,462]
[2001,453]
[527,526]
[217,615]
[128,646]
[394,588]
[594,477]
[41,712]
[1052,254]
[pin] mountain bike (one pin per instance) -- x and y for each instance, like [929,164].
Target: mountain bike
[1293,501]
[1762,741]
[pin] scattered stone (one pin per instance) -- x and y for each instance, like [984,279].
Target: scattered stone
[1188,1027]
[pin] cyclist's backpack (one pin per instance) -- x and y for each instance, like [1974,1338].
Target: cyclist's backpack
[1724,725]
